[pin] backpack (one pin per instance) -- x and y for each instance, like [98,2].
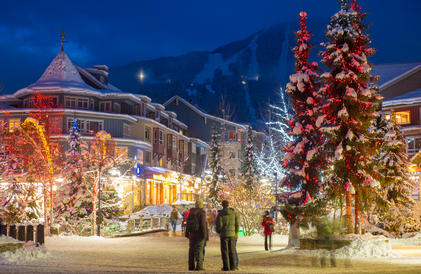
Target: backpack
[192,223]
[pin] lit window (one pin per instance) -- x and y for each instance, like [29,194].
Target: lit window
[120,150]
[13,123]
[139,156]
[402,117]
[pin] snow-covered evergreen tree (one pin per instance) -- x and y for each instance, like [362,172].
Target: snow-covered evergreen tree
[77,201]
[393,200]
[215,165]
[304,159]
[393,165]
[351,104]
[18,204]
[249,170]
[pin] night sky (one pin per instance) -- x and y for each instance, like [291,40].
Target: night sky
[117,33]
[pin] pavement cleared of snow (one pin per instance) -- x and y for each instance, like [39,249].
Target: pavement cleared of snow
[167,253]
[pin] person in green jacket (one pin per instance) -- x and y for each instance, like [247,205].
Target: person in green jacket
[227,225]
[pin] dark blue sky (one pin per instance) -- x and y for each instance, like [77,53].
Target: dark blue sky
[120,32]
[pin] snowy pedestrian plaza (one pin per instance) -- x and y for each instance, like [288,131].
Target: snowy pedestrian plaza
[167,253]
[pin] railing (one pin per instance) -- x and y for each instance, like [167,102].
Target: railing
[144,224]
[24,233]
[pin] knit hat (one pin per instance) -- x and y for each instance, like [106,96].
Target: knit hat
[198,204]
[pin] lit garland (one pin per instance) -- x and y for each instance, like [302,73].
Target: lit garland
[40,130]
[304,159]
[351,103]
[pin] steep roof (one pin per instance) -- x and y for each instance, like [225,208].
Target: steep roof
[410,98]
[388,72]
[60,75]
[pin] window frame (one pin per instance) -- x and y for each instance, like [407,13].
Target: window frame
[102,106]
[147,134]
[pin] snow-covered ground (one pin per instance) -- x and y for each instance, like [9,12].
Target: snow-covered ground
[167,253]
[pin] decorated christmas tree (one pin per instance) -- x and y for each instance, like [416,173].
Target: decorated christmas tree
[304,159]
[351,104]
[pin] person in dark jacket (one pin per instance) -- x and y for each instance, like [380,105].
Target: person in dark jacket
[197,239]
[267,222]
[174,218]
[227,225]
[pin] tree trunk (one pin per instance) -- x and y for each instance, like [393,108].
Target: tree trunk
[93,217]
[45,207]
[348,215]
[294,234]
[357,229]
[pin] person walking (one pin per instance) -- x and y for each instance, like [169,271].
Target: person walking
[268,224]
[227,225]
[197,238]
[174,218]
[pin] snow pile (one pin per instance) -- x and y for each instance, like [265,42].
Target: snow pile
[30,252]
[149,211]
[366,246]
[362,247]
[416,240]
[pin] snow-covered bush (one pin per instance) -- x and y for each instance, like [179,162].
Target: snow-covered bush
[398,220]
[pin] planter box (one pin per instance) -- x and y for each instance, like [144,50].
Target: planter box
[323,243]
[12,247]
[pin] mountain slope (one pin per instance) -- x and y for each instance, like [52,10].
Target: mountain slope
[248,72]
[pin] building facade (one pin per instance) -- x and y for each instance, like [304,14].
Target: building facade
[233,135]
[169,163]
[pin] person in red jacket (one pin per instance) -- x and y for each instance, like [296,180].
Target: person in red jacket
[268,224]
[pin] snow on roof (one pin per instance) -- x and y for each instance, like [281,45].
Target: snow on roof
[60,75]
[158,106]
[171,113]
[101,67]
[204,114]
[388,72]
[410,98]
